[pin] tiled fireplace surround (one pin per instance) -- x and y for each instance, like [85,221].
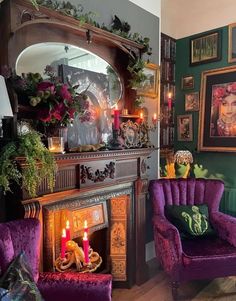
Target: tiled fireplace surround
[108,189]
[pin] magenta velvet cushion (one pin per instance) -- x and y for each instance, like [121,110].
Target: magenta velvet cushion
[75,286]
[6,248]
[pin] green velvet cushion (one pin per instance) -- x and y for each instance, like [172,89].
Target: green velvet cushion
[190,220]
[19,282]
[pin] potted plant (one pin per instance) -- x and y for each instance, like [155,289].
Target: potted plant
[39,163]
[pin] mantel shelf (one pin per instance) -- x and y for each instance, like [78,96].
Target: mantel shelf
[47,16]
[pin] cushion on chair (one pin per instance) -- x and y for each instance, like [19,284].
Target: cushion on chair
[191,220]
[75,286]
[6,248]
[4,295]
[18,280]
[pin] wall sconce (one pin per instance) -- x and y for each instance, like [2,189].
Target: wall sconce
[184,157]
[6,110]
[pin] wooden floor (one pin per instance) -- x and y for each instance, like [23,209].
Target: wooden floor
[158,289]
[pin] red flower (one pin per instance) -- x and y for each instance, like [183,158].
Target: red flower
[46,86]
[64,93]
[44,115]
[58,111]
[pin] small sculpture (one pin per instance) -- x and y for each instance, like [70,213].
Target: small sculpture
[75,257]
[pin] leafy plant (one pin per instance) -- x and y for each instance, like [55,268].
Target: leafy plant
[39,163]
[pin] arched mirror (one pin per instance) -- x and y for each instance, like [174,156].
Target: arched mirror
[83,68]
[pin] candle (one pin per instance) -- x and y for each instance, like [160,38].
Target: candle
[154,118]
[63,243]
[86,226]
[67,230]
[116,118]
[169,100]
[86,247]
[141,116]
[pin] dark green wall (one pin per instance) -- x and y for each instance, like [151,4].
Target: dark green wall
[206,164]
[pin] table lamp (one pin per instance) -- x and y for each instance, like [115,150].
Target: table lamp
[184,157]
[5,105]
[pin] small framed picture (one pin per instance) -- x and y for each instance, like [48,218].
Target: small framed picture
[185,127]
[232,43]
[187,82]
[150,86]
[192,101]
[205,48]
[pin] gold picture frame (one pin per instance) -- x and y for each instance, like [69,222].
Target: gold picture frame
[205,48]
[150,86]
[217,123]
[232,43]
[185,127]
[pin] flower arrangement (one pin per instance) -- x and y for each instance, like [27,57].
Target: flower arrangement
[221,91]
[57,103]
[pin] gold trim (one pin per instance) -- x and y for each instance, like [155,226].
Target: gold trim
[204,76]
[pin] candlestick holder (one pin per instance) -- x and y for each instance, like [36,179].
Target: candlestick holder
[74,259]
[115,142]
[144,132]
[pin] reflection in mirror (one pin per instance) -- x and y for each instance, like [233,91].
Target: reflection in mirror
[90,72]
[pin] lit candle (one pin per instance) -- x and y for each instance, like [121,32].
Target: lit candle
[169,100]
[67,230]
[154,118]
[116,118]
[63,243]
[141,116]
[86,226]
[86,247]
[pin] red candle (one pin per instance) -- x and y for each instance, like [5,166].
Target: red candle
[67,230]
[63,243]
[116,119]
[86,247]
[86,226]
[154,118]
[169,101]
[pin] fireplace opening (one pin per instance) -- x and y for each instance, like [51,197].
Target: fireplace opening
[98,241]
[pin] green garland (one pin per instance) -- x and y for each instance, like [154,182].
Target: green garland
[118,27]
[39,162]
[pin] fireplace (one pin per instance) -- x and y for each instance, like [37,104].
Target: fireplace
[108,211]
[113,205]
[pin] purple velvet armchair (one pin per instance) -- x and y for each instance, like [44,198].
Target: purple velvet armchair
[201,258]
[24,235]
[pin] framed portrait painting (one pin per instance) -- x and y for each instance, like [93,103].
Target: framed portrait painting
[217,126]
[205,48]
[192,101]
[150,86]
[232,43]
[185,127]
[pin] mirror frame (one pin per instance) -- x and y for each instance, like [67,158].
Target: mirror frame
[26,28]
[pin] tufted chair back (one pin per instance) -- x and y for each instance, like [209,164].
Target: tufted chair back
[188,191]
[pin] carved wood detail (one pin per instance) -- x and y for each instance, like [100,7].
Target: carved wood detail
[97,175]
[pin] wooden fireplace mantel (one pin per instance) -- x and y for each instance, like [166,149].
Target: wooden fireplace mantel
[81,181]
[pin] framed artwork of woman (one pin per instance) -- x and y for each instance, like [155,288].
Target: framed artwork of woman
[217,131]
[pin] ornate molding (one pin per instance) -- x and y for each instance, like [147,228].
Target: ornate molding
[96,197]
[97,175]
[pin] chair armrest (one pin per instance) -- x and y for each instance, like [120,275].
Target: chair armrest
[170,234]
[75,286]
[225,225]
